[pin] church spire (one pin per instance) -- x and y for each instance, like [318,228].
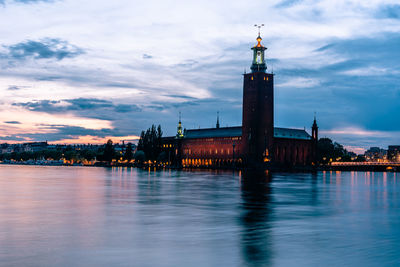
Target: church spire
[179,133]
[315,128]
[258,53]
[217,126]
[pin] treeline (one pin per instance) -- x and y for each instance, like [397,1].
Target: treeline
[150,145]
[52,154]
[332,151]
[104,153]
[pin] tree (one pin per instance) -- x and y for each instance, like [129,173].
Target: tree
[109,152]
[328,150]
[88,154]
[71,155]
[150,142]
[140,157]
[128,153]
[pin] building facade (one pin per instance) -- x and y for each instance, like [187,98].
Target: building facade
[257,143]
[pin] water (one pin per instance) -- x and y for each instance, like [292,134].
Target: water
[80,216]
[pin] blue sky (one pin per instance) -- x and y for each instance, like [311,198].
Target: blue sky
[79,71]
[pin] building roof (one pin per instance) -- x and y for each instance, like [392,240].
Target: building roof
[214,132]
[291,133]
[237,131]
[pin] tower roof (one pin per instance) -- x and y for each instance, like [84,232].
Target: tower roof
[259,39]
[259,64]
[315,120]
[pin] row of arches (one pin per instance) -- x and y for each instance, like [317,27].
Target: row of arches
[220,163]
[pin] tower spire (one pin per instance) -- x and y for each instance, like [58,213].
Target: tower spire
[259,28]
[217,126]
[258,53]
[179,132]
[315,128]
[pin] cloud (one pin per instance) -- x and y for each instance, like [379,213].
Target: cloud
[13,88]
[12,122]
[32,1]
[2,2]
[48,106]
[44,49]
[288,3]
[13,138]
[359,138]
[53,133]
[77,104]
[389,11]
[339,58]
[300,82]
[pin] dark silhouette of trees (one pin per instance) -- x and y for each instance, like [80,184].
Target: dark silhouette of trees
[150,142]
[140,157]
[88,154]
[71,155]
[328,150]
[128,152]
[74,153]
[360,158]
[30,155]
[109,152]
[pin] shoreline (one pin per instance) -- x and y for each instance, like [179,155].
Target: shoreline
[289,170]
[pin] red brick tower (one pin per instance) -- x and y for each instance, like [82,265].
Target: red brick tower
[258,109]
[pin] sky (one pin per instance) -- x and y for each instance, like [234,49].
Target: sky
[85,71]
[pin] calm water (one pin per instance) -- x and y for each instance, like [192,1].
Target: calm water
[77,216]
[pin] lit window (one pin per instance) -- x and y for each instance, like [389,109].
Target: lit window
[252,78]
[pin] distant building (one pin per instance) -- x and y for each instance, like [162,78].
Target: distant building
[393,153]
[375,154]
[257,142]
[37,146]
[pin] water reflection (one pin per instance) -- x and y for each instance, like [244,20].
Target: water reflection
[255,218]
[124,216]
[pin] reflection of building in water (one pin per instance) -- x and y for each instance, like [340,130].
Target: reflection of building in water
[255,219]
[256,142]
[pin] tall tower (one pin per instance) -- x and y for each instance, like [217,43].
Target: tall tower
[315,129]
[258,109]
[217,125]
[179,132]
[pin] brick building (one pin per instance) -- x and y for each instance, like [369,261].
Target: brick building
[257,142]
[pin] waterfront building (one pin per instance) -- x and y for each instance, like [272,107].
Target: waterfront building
[257,142]
[376,154]
[393,153]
